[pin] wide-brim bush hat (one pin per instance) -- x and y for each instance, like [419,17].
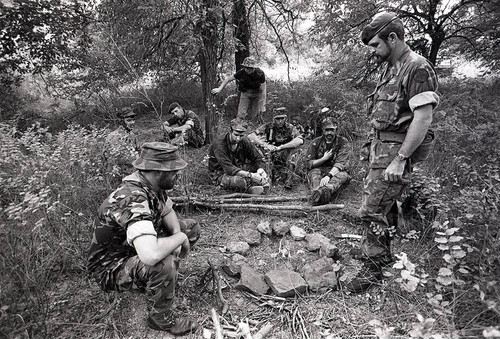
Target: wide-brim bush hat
[159,156]
[249,62]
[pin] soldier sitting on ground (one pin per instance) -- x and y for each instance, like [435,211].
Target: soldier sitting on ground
[185,125]
[327,160]
[138,238]
[277,139]
[235,163]
[121,147]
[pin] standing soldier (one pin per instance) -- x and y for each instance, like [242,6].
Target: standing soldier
[277,139]
[400,112]
[184,123]
[327,159]
[252,87]
[138,238]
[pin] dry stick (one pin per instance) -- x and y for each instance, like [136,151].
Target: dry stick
[217,328]
[217,286]
[263,331]
[221,199]
[256,207]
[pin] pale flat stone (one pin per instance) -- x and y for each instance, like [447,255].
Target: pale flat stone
[265,228]
[315,241]
[252,237]
[285,283]
[297,233]
[240,247]
[281,228]
[252,281]
[320,274]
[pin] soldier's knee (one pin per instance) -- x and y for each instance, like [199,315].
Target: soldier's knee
[167,268]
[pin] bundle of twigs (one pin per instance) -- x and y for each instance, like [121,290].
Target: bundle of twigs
[288,307]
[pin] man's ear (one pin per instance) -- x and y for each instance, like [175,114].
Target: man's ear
[392,37]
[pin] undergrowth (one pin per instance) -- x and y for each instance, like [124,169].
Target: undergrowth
[51,186]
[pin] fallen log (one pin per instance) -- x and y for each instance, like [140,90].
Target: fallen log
[251,199]
[258,207]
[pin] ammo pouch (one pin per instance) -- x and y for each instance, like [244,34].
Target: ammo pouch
[422,152]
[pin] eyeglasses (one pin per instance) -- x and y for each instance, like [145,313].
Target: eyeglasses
[330,129]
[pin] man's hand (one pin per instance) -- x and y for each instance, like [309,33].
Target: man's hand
[328,155]
[216,91]
[394,172]
[324,181]
[184,248]
[256,178]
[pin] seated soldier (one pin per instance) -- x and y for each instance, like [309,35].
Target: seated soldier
[121,146]
[277,139]
[138,239]
[235,163]
[184,124]
[327,160]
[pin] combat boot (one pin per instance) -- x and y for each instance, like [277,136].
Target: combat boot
[321,196]
[166,321]
[369,274]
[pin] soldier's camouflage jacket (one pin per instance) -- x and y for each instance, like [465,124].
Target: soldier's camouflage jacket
[133,201]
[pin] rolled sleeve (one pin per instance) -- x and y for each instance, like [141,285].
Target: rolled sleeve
[424,98]
[167,208]
[138,229]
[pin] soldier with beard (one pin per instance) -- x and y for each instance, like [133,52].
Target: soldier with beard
[400,113]
[327,161]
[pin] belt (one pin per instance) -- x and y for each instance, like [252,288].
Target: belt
[390,136]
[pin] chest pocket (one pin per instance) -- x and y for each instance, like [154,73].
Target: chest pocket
[384,107]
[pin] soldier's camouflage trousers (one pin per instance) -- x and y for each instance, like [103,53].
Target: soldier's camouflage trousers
[316,174]
[379,210]
[158,281]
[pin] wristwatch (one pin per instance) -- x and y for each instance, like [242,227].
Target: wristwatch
[329,175]
[402,157]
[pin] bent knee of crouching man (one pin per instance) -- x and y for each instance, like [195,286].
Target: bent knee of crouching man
[234,182]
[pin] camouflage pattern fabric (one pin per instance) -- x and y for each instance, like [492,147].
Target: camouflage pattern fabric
[133,201]
[410,83]
[316,174]
[193,136]
[277,162]
[158,281]
[319,146]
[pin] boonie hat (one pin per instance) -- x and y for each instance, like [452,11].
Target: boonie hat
[378,23]
[280,112]
[159,156]
[239,125]
[249,62]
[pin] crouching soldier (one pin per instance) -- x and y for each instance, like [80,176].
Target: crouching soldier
[327,160]
[185,125]
[235,163]
[138,238]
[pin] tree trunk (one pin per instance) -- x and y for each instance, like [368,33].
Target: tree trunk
[208,64]
[241,32]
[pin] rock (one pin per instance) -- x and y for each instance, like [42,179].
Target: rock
[232,266]
[252,281]
[285,283]
[264,228]
[252,237]
[240,247]
[297,233]
[281,228]
[315,241]
[329,250]
[320,274]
